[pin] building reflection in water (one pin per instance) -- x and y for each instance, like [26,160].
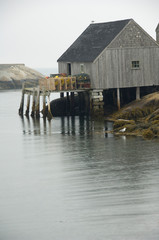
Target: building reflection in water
[70,125]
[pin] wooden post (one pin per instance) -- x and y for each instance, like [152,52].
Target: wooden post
[37,107]
[71,86]
[44,104]
[137,93]
[49,114]
[75,86]
[118,98]
[59,84]
[90,102]
[28,105]
[67,104]
[61,95]
[72,104]
[80,103]
[21,108]
[33,104]
[65,84]
[114,97]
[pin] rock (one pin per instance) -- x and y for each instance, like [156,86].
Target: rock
[140,118]
[12,75]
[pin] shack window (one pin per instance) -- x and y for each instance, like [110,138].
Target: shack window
[82,68]
[135,64]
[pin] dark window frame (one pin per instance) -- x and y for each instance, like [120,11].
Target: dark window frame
[135,64]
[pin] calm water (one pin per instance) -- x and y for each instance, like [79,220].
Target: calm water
[67,180]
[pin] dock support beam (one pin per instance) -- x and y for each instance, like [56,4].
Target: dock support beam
[21,108]
[72,104]
[61,95]
[33,104]
[44,104]
[37,107]
[67,103]
[118,98]
[28,105]
[49,114]
[137,93]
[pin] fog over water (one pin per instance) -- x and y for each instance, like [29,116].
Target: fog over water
[67,179]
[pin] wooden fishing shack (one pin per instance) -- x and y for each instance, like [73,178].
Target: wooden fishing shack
[121,59]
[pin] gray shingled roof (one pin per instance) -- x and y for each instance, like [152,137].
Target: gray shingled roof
[93,41]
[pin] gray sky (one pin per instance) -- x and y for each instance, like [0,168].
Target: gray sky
[37,32]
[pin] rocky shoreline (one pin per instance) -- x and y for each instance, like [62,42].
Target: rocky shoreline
[139,118]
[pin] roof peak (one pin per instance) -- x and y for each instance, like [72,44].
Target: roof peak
[129,19]
[95,38]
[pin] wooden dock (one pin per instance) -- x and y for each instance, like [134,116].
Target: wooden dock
[45,87]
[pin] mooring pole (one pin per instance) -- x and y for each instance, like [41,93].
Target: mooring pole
[49,114]
[72,103]
[61,95]
[44,104]
[33,104]
[28,105]
[67,104]
[118,98]
[21,108]
[137,93]
[37,107]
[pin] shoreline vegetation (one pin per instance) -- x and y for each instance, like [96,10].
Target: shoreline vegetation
[138,118]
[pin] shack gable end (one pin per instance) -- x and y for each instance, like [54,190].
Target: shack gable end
[113,69]
[133,36]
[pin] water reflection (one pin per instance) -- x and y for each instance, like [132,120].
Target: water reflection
[68,179]
[70,125]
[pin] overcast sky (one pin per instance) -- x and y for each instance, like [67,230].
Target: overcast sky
[37,32]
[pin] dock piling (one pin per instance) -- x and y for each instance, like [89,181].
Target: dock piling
[44,104]
[28,105]
[33,104]
[49,114]
[118,98]
[21,108]
[37,107]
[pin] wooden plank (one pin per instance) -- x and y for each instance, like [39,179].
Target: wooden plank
[57,83]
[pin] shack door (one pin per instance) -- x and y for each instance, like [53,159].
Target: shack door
[69,68]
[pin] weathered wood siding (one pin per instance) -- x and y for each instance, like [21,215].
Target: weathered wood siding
[132,36]
[62,67]
[75,68]
[113,69]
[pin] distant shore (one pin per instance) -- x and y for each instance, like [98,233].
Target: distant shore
[13,75]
